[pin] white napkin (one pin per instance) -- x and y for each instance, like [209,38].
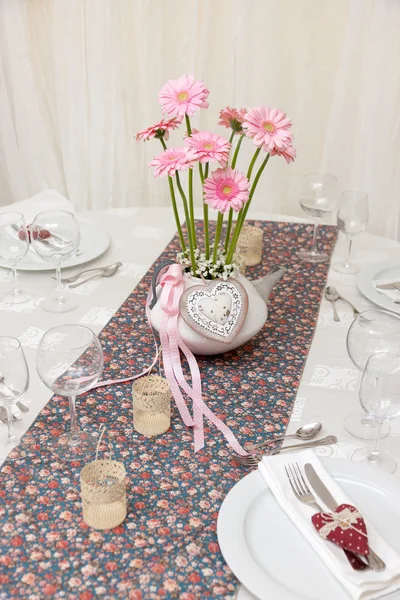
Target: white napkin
[360,585]
[46,200]
[392,294]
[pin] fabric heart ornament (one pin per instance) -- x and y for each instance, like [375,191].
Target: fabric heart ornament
[216,310]
[344,527]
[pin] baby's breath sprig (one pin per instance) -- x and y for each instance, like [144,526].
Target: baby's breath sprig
[205,268]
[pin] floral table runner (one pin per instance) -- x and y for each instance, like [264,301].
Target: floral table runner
[167,547]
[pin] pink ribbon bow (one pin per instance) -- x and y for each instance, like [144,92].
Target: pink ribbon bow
[172,284]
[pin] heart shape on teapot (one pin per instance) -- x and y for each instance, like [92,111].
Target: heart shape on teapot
[216,310]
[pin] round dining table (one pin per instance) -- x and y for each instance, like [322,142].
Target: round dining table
[328,391]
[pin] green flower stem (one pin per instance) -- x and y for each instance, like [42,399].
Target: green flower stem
[174,205]
[252,163]
[190,185]
[205,216]
[217,236]
[206,171]
[235,156]
[176,213]
[187,217]
[231,136]
[228,229]
[243,213]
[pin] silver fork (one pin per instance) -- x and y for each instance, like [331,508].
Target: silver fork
[304,494]
[253,459]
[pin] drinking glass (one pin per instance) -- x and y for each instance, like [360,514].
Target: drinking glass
[318,198]
[380,398]
[14,244]
[352,219]
[14,381]
[55,237]
[371,331]
[69,361]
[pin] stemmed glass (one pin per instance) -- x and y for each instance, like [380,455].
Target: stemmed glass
[55,237]
[371,331]
[318,198]
[14,381]
[352,219]
[380,398]
[14,244]
[69,361]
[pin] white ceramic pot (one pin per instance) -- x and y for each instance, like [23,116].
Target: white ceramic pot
[257,292]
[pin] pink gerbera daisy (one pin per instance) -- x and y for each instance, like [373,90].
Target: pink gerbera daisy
[209,146]
[172,160]
[159,130]
[225,189]
[232,118]
[269,128]
[183,96]
[289,153]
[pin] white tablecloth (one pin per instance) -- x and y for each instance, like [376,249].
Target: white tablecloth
[329,387]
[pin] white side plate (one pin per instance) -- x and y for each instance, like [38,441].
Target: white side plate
[386,269]
[94,242]
[267,553]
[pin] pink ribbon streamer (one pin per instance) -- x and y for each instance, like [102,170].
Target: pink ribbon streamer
[172,284]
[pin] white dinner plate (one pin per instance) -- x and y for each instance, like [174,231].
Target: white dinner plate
[94,242]
[268,554]
[386,269]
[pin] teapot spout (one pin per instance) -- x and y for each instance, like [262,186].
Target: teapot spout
[265,284]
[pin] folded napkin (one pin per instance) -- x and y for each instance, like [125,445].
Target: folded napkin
[393,294]
[360,585]
[46,200]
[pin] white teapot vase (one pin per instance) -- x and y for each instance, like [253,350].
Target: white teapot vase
[257,291]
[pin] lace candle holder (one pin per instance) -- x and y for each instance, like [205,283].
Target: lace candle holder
[151,397]
[103,491]
[250,245]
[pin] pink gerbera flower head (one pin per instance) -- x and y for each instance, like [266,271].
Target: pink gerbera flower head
[232,118]
[183,96]
[172,160]
[159,130]
[209,146]
[289,153]
[225,189]
[268,127]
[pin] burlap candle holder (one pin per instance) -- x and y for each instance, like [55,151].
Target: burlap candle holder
[151,397]
[250,245]
[103,492]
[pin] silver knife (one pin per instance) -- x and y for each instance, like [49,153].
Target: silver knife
[388,286]
[374,561]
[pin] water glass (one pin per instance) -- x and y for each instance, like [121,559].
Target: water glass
[14,381]
[55,237]
[14,244]
[380,398]
[69,361]
[352,219]
[371,331]
[318,198]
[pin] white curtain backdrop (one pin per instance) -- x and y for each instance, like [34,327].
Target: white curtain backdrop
[78,78]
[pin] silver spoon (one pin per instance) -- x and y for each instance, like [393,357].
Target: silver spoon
[332,298]
[306,432]
[332,291]
[106,272]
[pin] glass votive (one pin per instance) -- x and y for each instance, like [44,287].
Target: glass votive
[103,491]
[151,397]
[241,264]
[250,245]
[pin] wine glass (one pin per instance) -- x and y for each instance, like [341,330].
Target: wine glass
[69,361]
[55,237]
[352,219]
[14,381]
[14,244]
[380,398]
[318,198]
[371,331]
